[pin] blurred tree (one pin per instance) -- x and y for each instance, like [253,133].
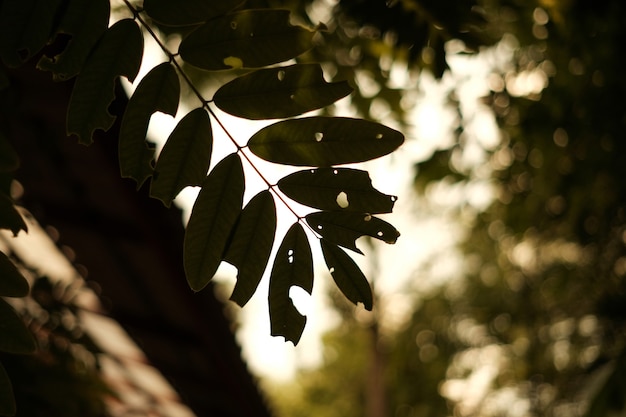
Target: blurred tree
[535,323]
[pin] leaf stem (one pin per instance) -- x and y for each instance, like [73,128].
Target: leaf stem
[205,104]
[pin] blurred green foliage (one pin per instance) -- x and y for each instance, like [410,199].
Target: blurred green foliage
[535,323]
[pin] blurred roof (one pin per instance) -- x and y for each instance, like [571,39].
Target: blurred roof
[131,246]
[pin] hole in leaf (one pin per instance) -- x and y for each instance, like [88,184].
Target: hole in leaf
[233,62]
[368,217]
[335,172]
[290,259]
[394,198]
[290,252]
[379,136]
[233,25]
[312,171]
[301,300]
[379,234]
[281,75]
[293,96]
[331,269]
[319,136]
[342,200]
[319,227]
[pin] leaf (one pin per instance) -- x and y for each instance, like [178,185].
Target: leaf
[86,21]
[7,399]
[16,338]
[213,217]
[344,228]
[293,265]
[159,90]
[245,39]
[12,283]
[25,27]
[336,189]
[118,53]
[282,92]
[347,275]
[187,12]
[185,158]
[251,245]
[324,141]
[10,218]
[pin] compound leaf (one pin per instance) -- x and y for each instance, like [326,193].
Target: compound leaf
[347,275]
[293,265]
[16,338]
[245,39]
[251,245]
[118,53]
[185,158]
[25,27]
[12,283]
[86,21]
[343,189]
[274,93]
[213,217]
[344,228]
[187,12]
[324,141]
[159,90]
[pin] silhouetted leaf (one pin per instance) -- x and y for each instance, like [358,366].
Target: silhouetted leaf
[187,12]
[347,275]
[118,53]
[344,228]
[159,90]
[6,179]
[10,218]
[274,93]
[12,283]
[185,158]
[336,189]
[86,21]
[293,265]
[7,400]
[16,338]
[245,39]
[251,245]
[213,217]
[25,27]
[324,141]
